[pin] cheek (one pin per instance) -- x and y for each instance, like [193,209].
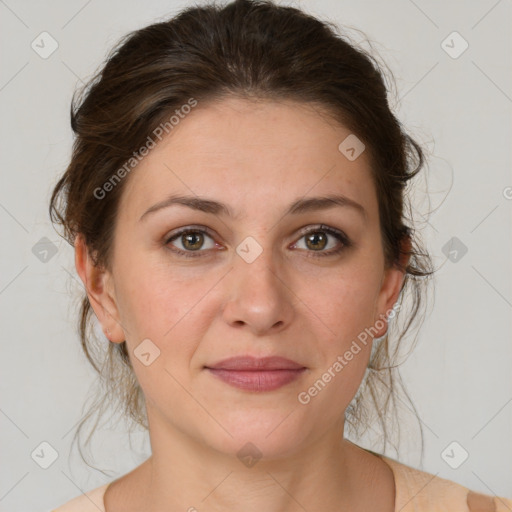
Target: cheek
[345,354]
[345,306]
[170,307]
[344,303]
[172,312]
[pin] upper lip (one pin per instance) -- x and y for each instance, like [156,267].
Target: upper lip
[249,363]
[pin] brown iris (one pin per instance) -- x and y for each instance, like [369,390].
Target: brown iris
[316,240]
[193,240]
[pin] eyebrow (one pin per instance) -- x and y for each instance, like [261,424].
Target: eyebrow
[301,205]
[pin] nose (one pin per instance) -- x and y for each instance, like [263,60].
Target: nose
[259,297]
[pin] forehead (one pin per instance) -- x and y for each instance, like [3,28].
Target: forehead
[247,154]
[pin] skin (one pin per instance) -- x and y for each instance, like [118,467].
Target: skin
[258,158]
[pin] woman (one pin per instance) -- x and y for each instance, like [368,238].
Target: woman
[236,200]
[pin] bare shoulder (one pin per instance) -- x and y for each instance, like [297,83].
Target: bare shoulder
[478,502]
[123,494]
[418,490]
[91,501]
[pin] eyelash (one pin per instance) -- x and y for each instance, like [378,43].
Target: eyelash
[339,235]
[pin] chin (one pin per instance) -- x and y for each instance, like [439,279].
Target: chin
[260,434]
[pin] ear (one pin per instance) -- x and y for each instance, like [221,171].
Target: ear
[98,284]
[391,286]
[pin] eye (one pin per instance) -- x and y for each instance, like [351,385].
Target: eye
[323,240]
[191,240]
[323,237]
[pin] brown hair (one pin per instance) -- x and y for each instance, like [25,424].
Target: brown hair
[253,49]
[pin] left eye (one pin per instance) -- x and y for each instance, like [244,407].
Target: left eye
[323,240]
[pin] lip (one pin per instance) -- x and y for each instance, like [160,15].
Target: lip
[257,374]
[250,363]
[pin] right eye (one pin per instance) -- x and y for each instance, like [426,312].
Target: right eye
[190,240]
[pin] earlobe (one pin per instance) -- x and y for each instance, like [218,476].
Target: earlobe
[96,281]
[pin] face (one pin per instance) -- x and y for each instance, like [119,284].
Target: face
[270,273]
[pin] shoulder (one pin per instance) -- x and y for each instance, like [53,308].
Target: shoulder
[419,491]
[91,501]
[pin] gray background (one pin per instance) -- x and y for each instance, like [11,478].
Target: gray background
[458,108]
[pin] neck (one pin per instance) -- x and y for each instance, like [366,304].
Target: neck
[184,474]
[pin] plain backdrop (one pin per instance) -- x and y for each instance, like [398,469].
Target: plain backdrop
[456,103]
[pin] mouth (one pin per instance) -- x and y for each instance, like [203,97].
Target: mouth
[257,374]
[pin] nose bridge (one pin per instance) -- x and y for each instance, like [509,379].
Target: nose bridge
[257,267]
[257,294]
[256,270]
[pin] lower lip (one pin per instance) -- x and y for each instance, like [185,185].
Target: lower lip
[257,380]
